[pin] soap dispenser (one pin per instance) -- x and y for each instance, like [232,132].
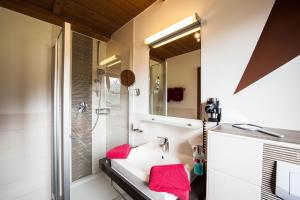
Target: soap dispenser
[198,157]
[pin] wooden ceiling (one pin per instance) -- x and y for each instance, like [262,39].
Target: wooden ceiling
[96,18]
[183,45]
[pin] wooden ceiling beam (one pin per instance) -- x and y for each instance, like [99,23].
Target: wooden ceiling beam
[48,16]
[58,6]
[79,12]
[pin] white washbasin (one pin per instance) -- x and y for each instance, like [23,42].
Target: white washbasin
[136,168]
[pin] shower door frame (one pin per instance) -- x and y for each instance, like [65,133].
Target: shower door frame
[61,109]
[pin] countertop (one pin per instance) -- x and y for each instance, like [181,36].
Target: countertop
[291,136]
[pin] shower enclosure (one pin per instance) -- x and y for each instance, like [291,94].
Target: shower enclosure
[90,109]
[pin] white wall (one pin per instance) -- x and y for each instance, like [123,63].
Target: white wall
[25,120]
[228,39]
[25,64]
[182,72]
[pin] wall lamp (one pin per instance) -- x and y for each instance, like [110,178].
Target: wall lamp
[182,28]
[111,61]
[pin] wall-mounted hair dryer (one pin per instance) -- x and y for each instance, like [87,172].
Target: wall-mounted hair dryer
[214,114]
[213,110]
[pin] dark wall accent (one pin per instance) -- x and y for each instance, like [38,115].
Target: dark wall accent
[278,44]
[81,91]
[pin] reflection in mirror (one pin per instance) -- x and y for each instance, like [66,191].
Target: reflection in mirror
[157,87]
[113,84]
[175,78]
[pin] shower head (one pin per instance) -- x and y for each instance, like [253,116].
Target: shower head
[100,76]
[100,72]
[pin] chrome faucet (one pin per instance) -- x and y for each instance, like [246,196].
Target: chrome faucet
[164,144]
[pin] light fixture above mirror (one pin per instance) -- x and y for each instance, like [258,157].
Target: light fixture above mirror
[178,30]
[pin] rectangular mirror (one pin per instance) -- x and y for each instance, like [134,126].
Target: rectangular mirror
[175,78]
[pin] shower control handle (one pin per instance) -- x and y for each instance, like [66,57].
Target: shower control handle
[82,107]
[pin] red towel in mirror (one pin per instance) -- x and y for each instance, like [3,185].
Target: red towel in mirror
[170,178]
[177,94]
[119,152]
[169,97]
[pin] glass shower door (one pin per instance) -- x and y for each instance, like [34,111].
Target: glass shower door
[61,109]
[117,101]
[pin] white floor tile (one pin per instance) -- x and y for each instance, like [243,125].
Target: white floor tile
[94,187]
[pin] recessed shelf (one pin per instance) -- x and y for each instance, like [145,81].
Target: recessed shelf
[172,123]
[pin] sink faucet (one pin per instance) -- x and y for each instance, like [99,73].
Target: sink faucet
[164,144]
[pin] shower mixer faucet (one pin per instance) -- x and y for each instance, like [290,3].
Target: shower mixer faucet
[82,107]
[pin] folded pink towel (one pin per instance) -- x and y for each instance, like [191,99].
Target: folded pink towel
[170,178]
[119,152]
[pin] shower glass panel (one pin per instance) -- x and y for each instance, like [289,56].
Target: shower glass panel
[157,88]
[117,100]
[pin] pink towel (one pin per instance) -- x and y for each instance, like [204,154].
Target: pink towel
[119,152]
[170,178]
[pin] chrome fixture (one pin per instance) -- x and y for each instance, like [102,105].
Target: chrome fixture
[135,128]
[164,144]
[100,74]
[103,111]
[82,107]
[100,78]
[135,92]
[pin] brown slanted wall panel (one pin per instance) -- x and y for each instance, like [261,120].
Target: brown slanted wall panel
[278,44]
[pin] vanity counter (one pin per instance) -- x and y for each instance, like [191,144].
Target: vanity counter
[291,137]
[241,164]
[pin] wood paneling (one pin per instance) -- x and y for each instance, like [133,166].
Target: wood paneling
[58,6]
[175,48]
[95,18]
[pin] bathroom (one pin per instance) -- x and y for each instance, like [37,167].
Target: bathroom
[105,112]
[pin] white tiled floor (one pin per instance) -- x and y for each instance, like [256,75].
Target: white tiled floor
[94,187]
